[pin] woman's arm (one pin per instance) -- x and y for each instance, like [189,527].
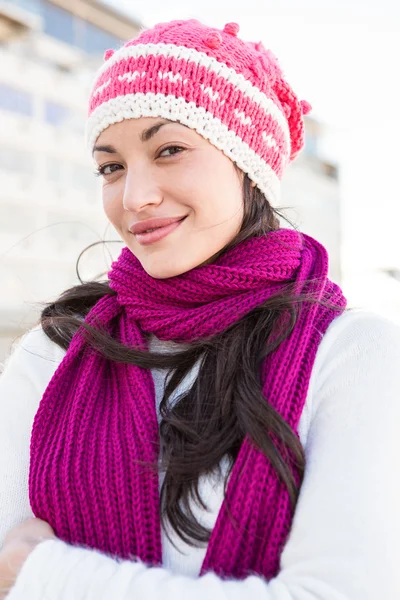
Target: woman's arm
[344,542]
[22,383]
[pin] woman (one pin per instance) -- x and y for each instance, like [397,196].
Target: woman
[210,420]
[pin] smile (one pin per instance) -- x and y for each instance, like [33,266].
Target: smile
[155,234]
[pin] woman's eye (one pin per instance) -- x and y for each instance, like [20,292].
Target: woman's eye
[170,151]
[107,169]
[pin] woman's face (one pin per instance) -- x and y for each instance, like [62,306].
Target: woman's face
[174,198]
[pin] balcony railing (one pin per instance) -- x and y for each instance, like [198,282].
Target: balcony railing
[16,19]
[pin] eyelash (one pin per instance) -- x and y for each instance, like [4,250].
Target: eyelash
[100,170]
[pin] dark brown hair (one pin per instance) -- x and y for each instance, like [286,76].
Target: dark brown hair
[225,403]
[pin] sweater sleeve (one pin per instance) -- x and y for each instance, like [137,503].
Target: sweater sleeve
[344,541]
[24,378]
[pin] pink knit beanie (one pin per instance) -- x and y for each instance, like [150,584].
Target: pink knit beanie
[231,92]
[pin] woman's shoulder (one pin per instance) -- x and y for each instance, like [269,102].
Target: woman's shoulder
[358,347]
[358,331]
[33,356]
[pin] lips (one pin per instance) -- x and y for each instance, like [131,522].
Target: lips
[152,224]
[153,230]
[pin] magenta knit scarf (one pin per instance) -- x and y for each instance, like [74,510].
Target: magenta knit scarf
[97,418]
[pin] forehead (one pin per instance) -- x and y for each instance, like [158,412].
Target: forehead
[132,128]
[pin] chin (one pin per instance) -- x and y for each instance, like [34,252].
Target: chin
[164,269]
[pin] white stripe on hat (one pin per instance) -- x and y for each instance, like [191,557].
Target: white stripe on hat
[133,106]
[202,59]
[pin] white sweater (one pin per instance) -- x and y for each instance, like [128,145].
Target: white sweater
[345,538]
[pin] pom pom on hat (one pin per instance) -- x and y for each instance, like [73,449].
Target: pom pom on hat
[213,39]
[231,28]
[305,107]
[108,54]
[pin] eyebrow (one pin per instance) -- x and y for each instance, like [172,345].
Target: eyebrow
[107,148]
[145,136]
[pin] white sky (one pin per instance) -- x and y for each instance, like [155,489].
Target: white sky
[343,57]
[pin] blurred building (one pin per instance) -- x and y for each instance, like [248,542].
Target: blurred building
[311,195]
[50,206]
[49,197]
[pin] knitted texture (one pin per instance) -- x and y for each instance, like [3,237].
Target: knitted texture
[231,92]
[97,419]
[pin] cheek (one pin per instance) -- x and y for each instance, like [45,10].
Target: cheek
[112,205]
[220,200]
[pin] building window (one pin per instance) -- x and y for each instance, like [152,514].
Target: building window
[94,40]
[15,100]
[69,28]
[34,6]
[61,116]
[311,144]
[59,23]
[56,114]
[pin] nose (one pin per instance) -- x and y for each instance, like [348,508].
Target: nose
[140,191]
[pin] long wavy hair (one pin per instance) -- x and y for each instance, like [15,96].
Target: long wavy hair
[209,421]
